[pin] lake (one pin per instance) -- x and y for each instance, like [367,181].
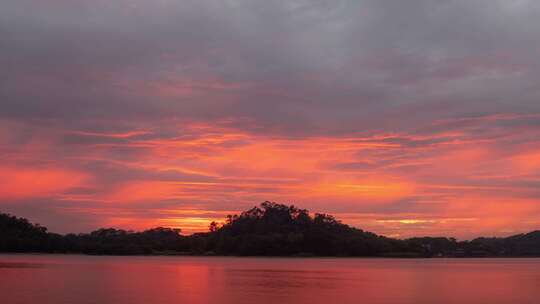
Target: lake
[62,279]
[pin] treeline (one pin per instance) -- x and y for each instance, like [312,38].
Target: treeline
[268,230]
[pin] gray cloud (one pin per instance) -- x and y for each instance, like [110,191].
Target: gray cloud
[311,66]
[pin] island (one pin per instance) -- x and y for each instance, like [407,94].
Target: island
[270,229]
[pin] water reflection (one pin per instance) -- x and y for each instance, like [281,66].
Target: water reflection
[20,265]
[85,279]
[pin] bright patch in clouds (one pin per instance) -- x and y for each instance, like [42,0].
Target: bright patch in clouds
[25,183]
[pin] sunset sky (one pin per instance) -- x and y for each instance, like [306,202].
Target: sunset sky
[417,117]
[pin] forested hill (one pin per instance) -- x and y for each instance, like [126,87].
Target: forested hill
[268,230]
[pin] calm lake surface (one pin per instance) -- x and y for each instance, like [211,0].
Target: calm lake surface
[71,279]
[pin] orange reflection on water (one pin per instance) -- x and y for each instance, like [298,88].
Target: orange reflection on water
[167,280]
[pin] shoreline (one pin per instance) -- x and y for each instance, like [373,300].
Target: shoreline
[268,257]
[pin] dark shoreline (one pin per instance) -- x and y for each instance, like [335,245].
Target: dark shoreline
[269,257]
[269,230]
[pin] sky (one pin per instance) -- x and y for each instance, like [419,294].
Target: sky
[405,118]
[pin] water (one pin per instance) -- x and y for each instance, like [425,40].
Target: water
[88,279]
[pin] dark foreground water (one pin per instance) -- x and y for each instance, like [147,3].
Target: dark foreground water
[86,279]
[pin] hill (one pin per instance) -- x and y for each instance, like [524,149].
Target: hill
[267,230]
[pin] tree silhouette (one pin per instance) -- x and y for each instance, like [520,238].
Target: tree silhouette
[269,229]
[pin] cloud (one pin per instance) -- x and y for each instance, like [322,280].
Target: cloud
[24,183]
[383,111]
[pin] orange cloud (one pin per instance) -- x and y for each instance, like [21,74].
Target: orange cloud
[527,162]
[395,184]
[20,183]
[141,191]
[375,189]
